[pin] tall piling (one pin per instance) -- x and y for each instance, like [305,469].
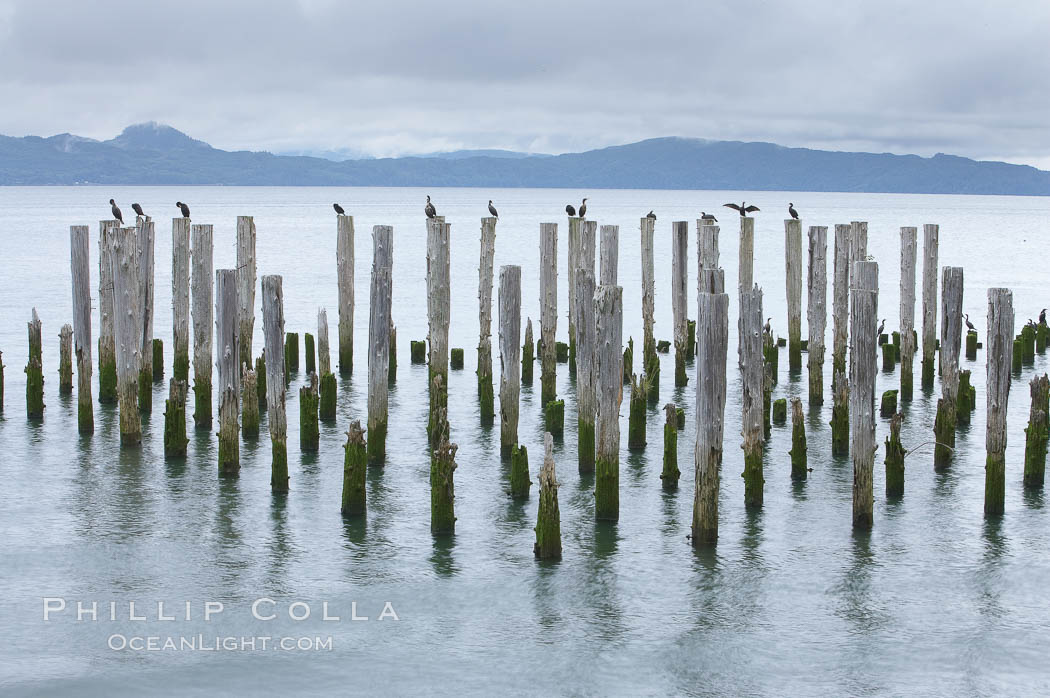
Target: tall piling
[573,245]
[548,519]
[438,309]
[548,311]
[276,417]
[817,310]
[146,238]
[485,270]
[999,354]
[1037,434]
[745,268]
[509,356]
[65,359]
[107,352]
[608,332]
[951,338]
[751,357]
[127,314]
[864,308]
[34,370]
[586,369]
[648,229]
[706,245]
[840,334]
[180,297]
[379,342]
[793,267]
[713,339]
[228,373]
[202,283]
[609,252]
[344,256]
[80,261]
[679,292]
[930,234]
[324,367]
[245,287]
[907,310]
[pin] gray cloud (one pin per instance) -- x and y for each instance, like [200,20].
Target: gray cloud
[965,77]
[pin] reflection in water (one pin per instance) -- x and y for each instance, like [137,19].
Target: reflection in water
[990,578]
[601,590]
[279,548]
[441,558]
[861,605]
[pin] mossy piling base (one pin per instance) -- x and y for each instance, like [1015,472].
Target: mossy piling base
[354,466]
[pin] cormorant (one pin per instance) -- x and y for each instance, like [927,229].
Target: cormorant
[882,326]
[583,208]
[492,209]
[1042,316]
[338,209]
[116,211]
[743,208]
[768,329]
[570,210]
[430,210]
[651,215]
[183,208]
[792,211]
[969,325]
[138,210]
[704,216]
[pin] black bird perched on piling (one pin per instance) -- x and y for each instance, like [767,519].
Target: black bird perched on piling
[429,209]
[1042,316]
[570,210]
[651,215]
[792,212]
[882,326]
[183,208]
[969,325]
[338,209]
[743,208]
[768,328]
[583,208]
[138,210]
[116,211]
[704,216]
[492,209]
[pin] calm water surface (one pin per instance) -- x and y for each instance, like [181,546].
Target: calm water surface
[936,600]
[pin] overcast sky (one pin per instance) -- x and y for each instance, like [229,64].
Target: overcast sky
[387,77]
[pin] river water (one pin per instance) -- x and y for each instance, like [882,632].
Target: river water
[935,600]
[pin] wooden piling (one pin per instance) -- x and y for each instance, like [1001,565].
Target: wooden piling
[34,370]
[548,311]
[291,353]
[793,265]
[65,359]
[548,519]
[586,368]
[930,233]
[671,473]
[309,401]
[679,309]
[648,229]
[608,333]
[201,281]
[965,403]
[379,342]
[324,365]
[146,239]
[609,255]
[127,314]
[907,312]
[228,373]
[180,297]
[706,245]
[442,487]
[158,360]
[713,339]
[1,382]
[80,260]
[895,458]
[344,252]
[858,245]
[752,403]
[276,417]
[245,288]
[509,355]
[520,484]
[527,355]
[798,453]
[107,352]
[485,270]
[864,307]
[840,333]
[1037,433]
[817,310]
[573,245]
[438,314]
[746,261]
[175,419]
[951,337]
[1000,337]
[636,414]
[249,401]
[354,465]
[628,360]
[308,349]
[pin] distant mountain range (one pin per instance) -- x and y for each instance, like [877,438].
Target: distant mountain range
[154,154]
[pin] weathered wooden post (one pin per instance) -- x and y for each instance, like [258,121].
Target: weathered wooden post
[127,315]
[308,348]
[146,240]
[392,359]
[965,403]
[930,235]
[344,254]
[249,401]
[509,356]
[1037,433]
[609,254]
[746,263]
[527,355]
[793,264]
[65,359]
[354,465]
[713,339]
[1,382]
[648,229]
[309,431]
[907,311]
[951,337]
[895,458]
[1000,341]
[260,377]
[80,260]
[679,310]
[858,245]
[799,459]
[548,311]
[636,413]
[608,333]
[245,287]
[180,297]
[573,244]
[817,310]
[586,368]
[203,316]
[328,384]
[706,245]
[34,370]
[158,360]
[488,251]
[840,333]
[863,367]
[273,336]
[379,342]
[671,473]
[442,486]
[175,419]
[107,352]
[751,354]
[229,374]
[548,520]
[291,353]
[438,309]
